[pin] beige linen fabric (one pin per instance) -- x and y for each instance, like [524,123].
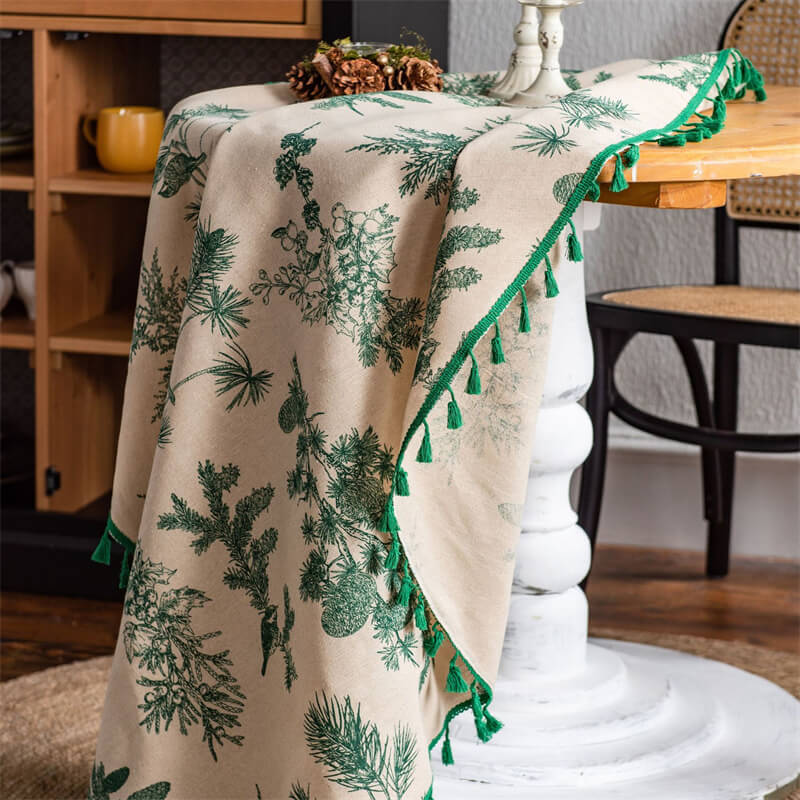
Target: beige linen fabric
[316,278]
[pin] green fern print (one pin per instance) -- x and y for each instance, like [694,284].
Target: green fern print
[355,754]
[431,155]
[182,681]
[602,76]
[343,283]
[389,99]
[346,554]
[591,111]
[157,321]
[445,280]
[248,554]
[176,164]
[693,74]
[469,85]
[102,786]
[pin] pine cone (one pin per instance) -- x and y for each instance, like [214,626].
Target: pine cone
[306,82]
[422,76]
[358,76]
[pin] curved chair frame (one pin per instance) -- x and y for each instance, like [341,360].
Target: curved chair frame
[613,325]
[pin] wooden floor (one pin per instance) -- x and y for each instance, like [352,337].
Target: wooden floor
[630,588]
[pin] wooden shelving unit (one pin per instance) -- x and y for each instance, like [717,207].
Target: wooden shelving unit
[89,224]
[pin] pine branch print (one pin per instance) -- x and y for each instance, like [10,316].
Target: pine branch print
[545,140]
[355,754]
[183,681]
[344,282]
[390,99]
[248,553]
[102,786]
[345,484]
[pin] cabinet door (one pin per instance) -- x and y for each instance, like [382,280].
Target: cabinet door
[210,10]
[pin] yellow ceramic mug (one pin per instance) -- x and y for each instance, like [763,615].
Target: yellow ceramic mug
[127,137]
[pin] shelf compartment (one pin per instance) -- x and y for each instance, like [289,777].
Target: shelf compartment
[105,335]
[17,333]
[95,181]
[16,175]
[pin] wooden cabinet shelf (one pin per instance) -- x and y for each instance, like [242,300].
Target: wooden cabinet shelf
[88,224]
[105,335]
[16,333]
[98,182]
[16,175]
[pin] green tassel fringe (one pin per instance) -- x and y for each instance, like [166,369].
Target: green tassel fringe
[401,483]
[574,250]
[406,590]
[454,420]
[594,192]
[631,156]
[492,723]
[524,314]
[388,521]
[425,452]
[420,618]
[484,734]
[551,287]
[125,569]
[102,553]
[619,184]
[498,356]
[447,750]
[474,382]
[393,556]
[433,642]
[677,140]
[455,680]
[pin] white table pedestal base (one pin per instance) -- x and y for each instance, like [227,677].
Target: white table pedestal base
[610,719]
[639,723]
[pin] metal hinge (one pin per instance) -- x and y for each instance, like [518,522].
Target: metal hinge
[52,481]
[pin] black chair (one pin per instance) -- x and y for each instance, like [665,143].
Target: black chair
[726,313]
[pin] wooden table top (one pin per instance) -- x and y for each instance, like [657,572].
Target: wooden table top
[758,140]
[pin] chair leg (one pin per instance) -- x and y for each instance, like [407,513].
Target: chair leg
[594,468]
[710,457]
[726,389]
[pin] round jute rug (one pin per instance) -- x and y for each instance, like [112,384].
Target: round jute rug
[49,720]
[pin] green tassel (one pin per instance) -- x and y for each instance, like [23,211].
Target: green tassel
[125,569]
[574,250]
[474,382]
[720,110]
[454,420]
[524,314]
[738,73]
[594,192]
[631,156]
[678,140]
[393,556]
[741,93]
[551,287]
[419,614]
[492,723]
[388,521]
[455,680]
[695,135]
[484,734]
[714,125]
[498,356]
[619,184]
[102,553]
[401,483]
[433,642]
[447,750]
[406,590]
[425,452]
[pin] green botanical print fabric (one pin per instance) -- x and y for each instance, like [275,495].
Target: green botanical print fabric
[337,356]
[103,786]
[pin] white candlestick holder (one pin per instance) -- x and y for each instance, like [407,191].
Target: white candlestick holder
[549,84]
